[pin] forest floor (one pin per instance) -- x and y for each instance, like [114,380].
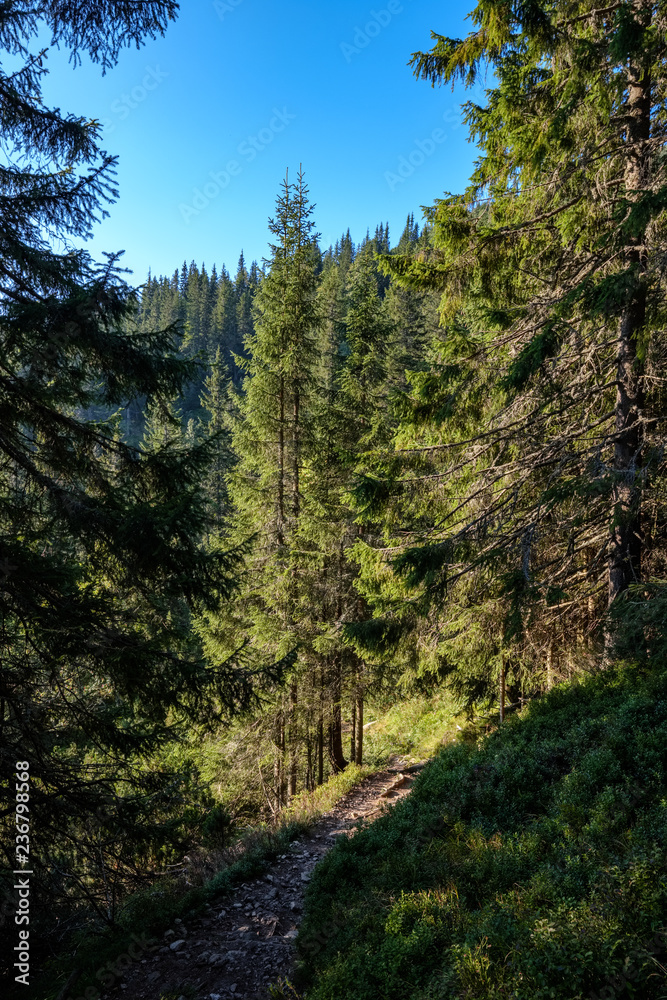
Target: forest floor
[242,945]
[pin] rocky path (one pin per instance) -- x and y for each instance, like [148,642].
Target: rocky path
[241,946]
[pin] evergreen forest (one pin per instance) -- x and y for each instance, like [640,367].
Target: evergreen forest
[263,528]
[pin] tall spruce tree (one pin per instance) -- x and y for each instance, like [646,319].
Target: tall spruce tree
[351,415]
[271,440]
[542,414]
[245,286]
[216,403]
[368,338]
[224,334]
[328,531]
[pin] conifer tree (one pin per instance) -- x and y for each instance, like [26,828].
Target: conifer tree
[215,401]
[357,373]
[327,528]
[224,332]
[368,337]
[540,412]
[271,438]
[346,253]
[245,287]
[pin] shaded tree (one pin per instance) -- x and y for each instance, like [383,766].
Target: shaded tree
[100,540]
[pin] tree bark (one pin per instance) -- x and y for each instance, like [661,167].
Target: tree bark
[626,534]
[281,465]
[310,777]
[336,754]
[296,496]
[358,757]
[353,735]
[293,750]
[278,763]
[320,734]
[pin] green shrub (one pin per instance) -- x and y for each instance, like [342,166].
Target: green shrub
[532,866]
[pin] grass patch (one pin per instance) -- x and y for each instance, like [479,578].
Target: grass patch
[532,865]
[310,806]
[417,727]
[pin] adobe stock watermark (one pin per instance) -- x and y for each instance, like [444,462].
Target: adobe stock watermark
[421,151]
[224,7]
[247,151]
[363,36]
[124,105]
[22,872]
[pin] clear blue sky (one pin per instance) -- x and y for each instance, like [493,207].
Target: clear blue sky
[206,120]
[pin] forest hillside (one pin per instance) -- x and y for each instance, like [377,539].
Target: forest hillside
[530,863]
[265,529]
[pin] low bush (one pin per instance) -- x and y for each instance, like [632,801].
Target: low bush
[532,865]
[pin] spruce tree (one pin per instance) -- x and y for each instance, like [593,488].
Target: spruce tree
[271,440]
[413,315]
[368,338]
[327,529]
[100,540]
[245,286]
[543,413]
[224,333]
[216,403]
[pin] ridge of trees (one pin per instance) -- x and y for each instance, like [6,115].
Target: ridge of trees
[326,355]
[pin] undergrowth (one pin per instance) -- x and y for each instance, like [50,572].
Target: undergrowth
[414,727]
[147,914]
[532,865]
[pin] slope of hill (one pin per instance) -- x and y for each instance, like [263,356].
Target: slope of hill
[529,864]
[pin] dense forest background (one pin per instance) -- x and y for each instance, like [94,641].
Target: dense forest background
[280,488]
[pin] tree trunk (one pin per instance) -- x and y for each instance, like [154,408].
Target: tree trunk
[358,757]
[294,751]
[278,763]
[353,735]
[296,495]
[626,540]
[336,755]
[281,465]
[320,733]
[550,665]
[310,777]
[502,689]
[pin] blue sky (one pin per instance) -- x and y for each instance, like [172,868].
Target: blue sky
[206,120]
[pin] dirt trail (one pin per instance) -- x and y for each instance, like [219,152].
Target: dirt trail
[246,942]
